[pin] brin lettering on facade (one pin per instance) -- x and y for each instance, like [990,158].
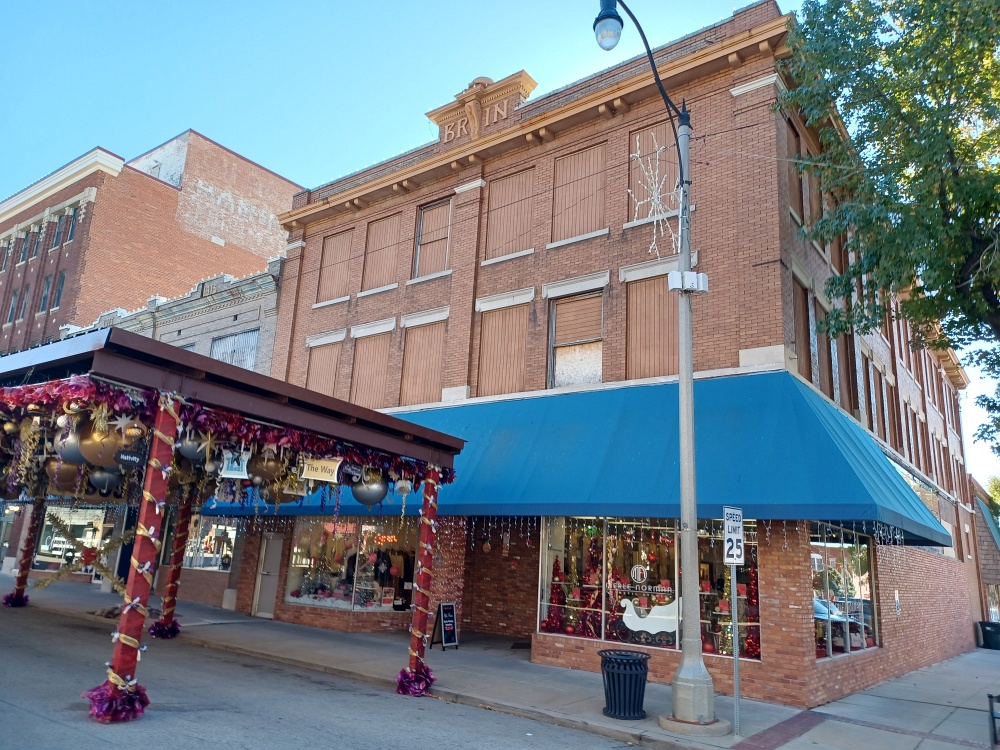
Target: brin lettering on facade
[477,117]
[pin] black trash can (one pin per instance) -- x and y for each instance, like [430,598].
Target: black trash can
[991,635]
[624,675]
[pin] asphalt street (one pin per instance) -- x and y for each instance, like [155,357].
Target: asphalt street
[201,698]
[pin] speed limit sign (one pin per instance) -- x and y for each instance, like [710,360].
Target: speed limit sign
[732,519]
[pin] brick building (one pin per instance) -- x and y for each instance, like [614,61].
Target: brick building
[987,531]
[498,284]
[101,233]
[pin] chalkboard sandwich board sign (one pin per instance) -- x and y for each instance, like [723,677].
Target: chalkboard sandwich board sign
[445,626]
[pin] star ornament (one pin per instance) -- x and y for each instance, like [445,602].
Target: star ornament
[122,422]
[207,445]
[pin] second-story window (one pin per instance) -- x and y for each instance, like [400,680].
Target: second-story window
[5,252]
[380,253]
[335,267]
[24,248]
[578,194]
[433,232]
[59,290]
[35,240]
[825,357]
[238,349]
[24,301]
[57,235]
[13,307]
[651,329]
[71,229]
[576,349]
[43,304]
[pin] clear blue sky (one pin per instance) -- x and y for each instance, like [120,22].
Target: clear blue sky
[312,90]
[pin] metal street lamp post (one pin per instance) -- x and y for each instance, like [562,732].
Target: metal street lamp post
[692,689]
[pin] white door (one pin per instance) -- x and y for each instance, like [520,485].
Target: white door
[267,576]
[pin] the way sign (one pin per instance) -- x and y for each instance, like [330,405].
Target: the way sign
[732,519]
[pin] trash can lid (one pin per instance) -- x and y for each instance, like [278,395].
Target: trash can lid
[620,653]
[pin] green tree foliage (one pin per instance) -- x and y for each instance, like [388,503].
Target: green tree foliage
[911,162]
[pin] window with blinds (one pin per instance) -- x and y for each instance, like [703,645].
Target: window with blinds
[662,167]
[423,354]
[508,223]
[324,362]
[578,194]
[334,266]
[651,329]
[380,253]
[503,351]
[371,360]
[432,239]
[576,341]
[803,331]
[238,349]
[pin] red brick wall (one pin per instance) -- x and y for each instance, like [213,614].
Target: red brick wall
[195,585]
[501,592]
[138,249]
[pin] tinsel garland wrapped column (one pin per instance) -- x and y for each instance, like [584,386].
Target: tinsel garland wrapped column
[167,626]
[120,697]
[18,598]
[418,677]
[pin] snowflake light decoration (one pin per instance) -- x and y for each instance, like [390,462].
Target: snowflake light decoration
[661,198]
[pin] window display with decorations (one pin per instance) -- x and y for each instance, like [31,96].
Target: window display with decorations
[353,563]
[844,606]
[210,544]
[616,579]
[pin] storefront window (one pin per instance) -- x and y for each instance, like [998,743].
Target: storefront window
[55,550]
[993,602]
[615,579]
[844,607]
[209,544]
[357,563]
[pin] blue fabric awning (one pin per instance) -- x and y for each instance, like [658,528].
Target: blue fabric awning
[765,442]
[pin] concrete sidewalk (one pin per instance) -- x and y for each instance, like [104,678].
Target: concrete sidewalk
[943,706]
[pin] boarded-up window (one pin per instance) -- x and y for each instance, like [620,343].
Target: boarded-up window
[803,349]
[578,197]
[333,272]
[815,198]
[878,403]
[502,351]
[576,345]
[892,407]
[324,362]
[508,225]
[423,354]
[432,239]
[847,372]
[371,360]
[380,253]
[794,176]
[651,347]
[866,385]
[823,350]
[662,167]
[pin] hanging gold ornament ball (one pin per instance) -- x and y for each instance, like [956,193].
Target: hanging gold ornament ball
[135,431]
[10,428]
[264,468]
[99,448]
[63,475]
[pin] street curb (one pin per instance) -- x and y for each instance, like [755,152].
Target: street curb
[450,696]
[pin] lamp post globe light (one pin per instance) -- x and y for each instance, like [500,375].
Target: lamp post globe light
[693,694]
